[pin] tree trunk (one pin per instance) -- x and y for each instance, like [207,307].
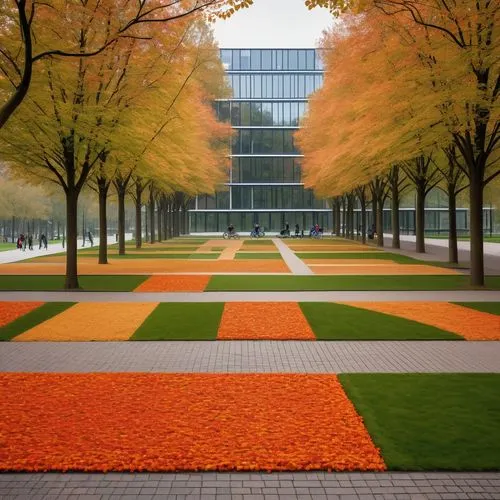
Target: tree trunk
[362,201]
[121,219]
[159,205]
[380,223]
[13,228]
[374,212]
[476,227]
[338,223]
[71,280]
[420,218]
[344,218]
[138,214]
[151,216]
[103,186]
[452,233]
[396,243]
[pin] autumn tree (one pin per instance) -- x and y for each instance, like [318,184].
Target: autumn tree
[32,31]
[468,34]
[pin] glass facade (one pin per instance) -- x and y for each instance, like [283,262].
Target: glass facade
[270,92]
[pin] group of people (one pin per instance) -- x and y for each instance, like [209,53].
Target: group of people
[23,240]
[316,230]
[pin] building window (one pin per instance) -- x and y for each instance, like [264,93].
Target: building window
[244,59]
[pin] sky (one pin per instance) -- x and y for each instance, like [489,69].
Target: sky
[273,23]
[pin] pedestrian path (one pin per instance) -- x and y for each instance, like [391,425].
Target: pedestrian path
[252,357]
[292,261]
[17,255]
[255,486]
[317,296]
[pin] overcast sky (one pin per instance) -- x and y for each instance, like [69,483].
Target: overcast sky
[273,23]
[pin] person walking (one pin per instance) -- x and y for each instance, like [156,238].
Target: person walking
[30,242]
[91,239]
[43,242]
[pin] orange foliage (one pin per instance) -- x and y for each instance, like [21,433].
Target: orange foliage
[174,283]
[9,311]
[264,321]
[171,422]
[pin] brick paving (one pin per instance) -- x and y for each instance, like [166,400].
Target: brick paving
[253,486]
[252,356]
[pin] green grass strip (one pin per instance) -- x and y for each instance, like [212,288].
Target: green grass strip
[487,307]
[110,283]
[402,259]
[258,241]
[305,283]
[331,321]
[181,321]
[261,255]
[33,318]
[430,421]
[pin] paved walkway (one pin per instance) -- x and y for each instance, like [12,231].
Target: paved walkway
[437,250]
[319,296]
[253,486]
[252,356]
[295,264]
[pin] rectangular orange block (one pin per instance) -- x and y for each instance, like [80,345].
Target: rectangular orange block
[264,321]
[180,422]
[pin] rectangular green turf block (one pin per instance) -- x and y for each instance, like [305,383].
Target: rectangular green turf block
[33,318]
[306,283]
[261,255]
[111,283]
[401,259]
[433,421]
[330,321]
[488,307]
[181,321]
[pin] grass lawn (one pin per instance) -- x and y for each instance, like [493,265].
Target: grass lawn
[157,255]
[331,321]
[181,321]
[489,239]
[489,307]
[32,319]
[113,283]
[402,259]
[261,255]
[7,246]
[258,241]
[305,283]
[430,421]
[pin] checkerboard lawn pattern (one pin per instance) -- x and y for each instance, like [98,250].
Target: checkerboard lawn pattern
[216,320]
[10,311]
[180,422]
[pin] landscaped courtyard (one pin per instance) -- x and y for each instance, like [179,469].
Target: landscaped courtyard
[267,417]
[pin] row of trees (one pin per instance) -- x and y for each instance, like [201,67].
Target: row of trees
[135,116]
[410,99]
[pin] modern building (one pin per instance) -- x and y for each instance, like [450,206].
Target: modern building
[270,94]
[271,88]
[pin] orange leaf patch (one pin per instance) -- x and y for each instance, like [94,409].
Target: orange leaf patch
[9,311]
[172,422]
[471,324]
[174,283]
[264,321]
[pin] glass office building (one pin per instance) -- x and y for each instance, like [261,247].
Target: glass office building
[270,92]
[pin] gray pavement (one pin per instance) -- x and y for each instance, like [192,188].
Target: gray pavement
[252,357]
[319,296]
[253,486]
[296,265]
[437,250]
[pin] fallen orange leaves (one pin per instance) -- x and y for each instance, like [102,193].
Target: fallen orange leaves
[471,324]
[89,321]
[264,321]
[174,283]
[9,311]
[171,422]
